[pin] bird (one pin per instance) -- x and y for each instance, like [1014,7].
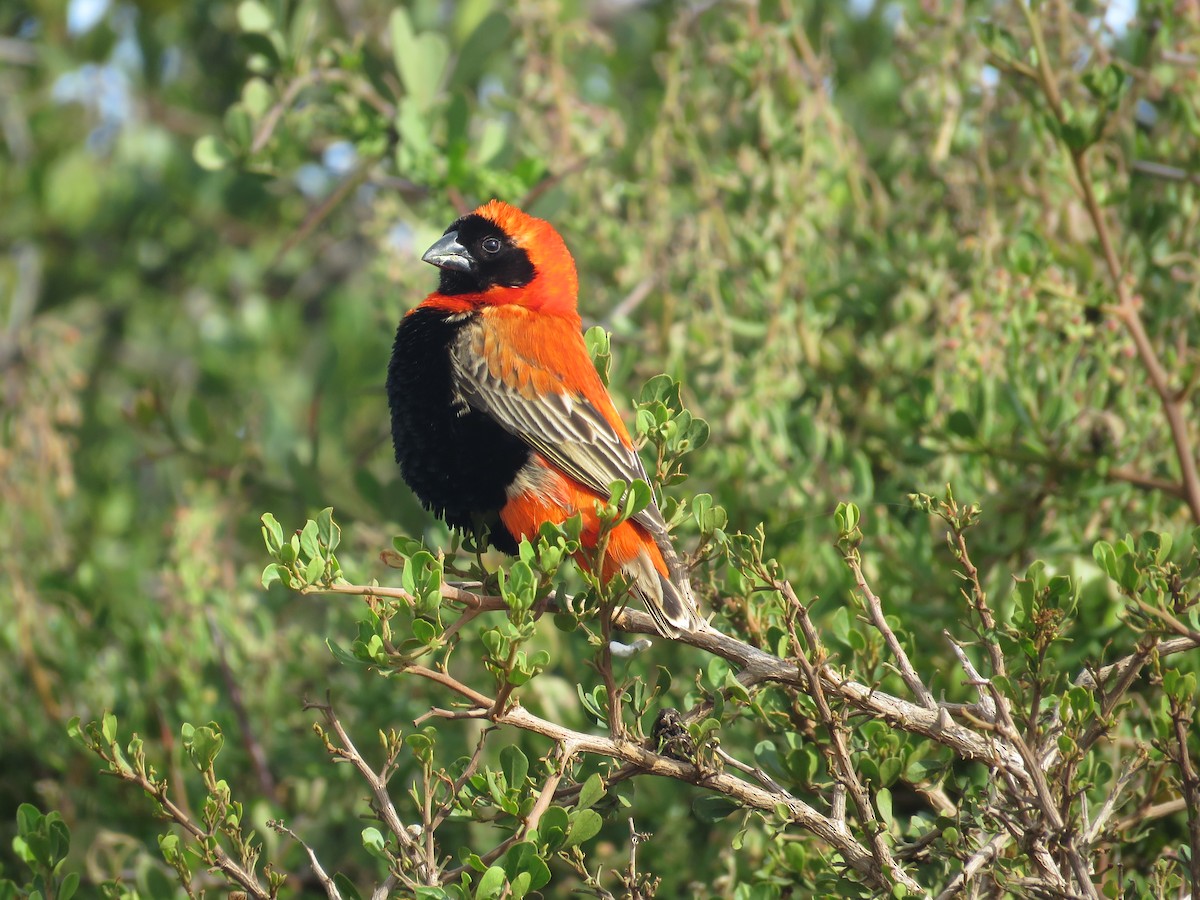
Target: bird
[499,418]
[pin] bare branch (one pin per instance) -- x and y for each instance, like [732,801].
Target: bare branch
[331,890]
[839,755]
[987,706]
[1128,305]
[563,752]
[1132,767]
[1182,715]
[978,860]
[381,799]
[875,610]
[649,763]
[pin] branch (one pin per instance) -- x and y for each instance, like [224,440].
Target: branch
[331,890]
[875,609]
[800,813]
[299,84]
[978,860]
[759,666]
[1182,714]
[842,763]
[382,801]
[220,859]
[1128,306]
[977,597]
[1132,767]
[565,750]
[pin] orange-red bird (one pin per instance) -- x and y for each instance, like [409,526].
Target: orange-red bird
[498,416]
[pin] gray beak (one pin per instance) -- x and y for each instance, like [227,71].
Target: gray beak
[448,253]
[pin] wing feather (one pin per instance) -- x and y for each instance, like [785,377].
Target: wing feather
[550,415]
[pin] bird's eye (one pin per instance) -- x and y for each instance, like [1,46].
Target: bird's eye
[491,245]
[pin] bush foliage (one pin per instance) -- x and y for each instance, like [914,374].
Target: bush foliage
[924,281]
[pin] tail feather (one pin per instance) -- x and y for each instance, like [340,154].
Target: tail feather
[668,599]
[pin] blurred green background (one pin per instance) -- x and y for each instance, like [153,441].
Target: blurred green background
[845,227]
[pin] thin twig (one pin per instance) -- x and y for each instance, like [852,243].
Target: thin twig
[381,799]
[223,861]
[987,706]
[978,860]
[564,752]
[1182,714]
[1127,308]
[459,783]
[1167,173]
[977,597]
[258,756]
[1096,828]
[888,869]
[875,610]
[306,80]
[743,792]
[331,890]
[763,778]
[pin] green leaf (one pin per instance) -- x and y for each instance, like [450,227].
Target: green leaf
[257,97]
[489,37]
[314,570]
[29,819]
[1106,558]
[585,825]
[373,842]
[1000,41]
[424,631]
[515,766]
[490,884]
[272,533]
[847,517]
[406,546]
[342,656]
[70,884]
[108,727]
[552,829]
[839,626]
[960,423]
[273,573]
[1027,253]
[883,802]
[522,859]
[309,544]
[714,808]
[591,792]
[349,890]
[239,127]
[421,745]
[203,745]
[638,498]
[1105,83]
[212,153]
[328,532]
[664,389]
[420,60]
[597,340]
[254,17]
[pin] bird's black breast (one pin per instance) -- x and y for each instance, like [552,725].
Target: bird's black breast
[457,462]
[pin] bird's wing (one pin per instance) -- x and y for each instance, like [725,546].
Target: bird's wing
[534,378]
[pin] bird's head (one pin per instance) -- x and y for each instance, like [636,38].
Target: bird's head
[500,255]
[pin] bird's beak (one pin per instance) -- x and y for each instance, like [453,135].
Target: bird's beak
[448,253]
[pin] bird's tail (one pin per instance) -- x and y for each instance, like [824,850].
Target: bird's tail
[668,596]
